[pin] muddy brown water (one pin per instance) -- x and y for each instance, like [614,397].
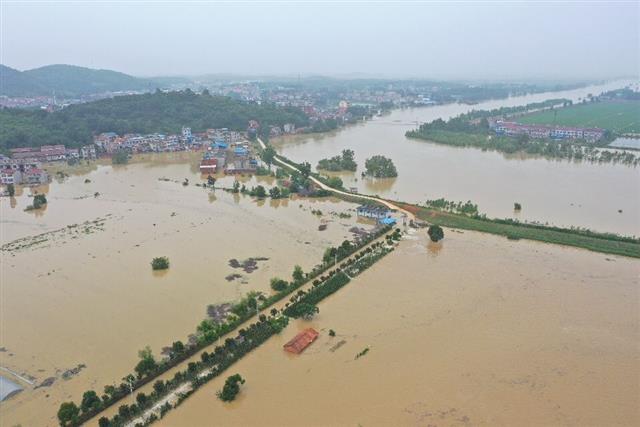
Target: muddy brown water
[87,295]
[559,192]
[477,330]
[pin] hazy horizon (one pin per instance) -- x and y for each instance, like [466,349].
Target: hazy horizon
[461,41]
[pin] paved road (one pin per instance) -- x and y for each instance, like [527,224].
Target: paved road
[322,185]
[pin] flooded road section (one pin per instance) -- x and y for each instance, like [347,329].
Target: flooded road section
[476,331]
[79,302]
[603,197]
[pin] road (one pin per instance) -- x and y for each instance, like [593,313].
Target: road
[322,185]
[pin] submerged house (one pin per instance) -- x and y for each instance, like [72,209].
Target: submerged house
[373,211]
[301,341]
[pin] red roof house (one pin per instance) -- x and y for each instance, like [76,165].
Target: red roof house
[301,341]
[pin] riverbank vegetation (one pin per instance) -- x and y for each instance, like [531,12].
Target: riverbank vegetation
[344,162]
[513,229]
[472,130]
[380,167]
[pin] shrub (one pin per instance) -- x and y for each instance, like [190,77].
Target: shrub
[278,284]
[160,263]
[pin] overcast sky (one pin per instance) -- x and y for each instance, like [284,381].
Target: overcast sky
[441,40]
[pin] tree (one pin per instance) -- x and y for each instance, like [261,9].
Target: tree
[231,388]
[147,363]
[335,182]
[517,206]
[298,274]
[120,157]
[160,263]
[211,181]
[274,193]
[142,399]
[39,200]
[90,401]
[435,233]
[159,387]
[104,422]
[11,189]
[380,167]
[236,186]
[177,348]
[268,155]
[261,193]
[278,284]
[68,414]
[304,310]
[305,169]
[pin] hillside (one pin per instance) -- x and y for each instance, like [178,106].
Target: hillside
[148,113]
[68,81]
[17,83]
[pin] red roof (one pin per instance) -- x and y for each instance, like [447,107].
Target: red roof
[301,341]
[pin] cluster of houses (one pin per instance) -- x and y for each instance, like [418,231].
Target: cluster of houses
[21,172]
[546,131]
[230,157]
[110,142]
[24,167]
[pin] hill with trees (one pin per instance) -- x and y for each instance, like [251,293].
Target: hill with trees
[148,113]
[67,81]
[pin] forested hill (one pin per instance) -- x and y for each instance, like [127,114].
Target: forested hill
[148,113]
[67,81]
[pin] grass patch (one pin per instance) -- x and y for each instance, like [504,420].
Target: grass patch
[616,116]
[598,242]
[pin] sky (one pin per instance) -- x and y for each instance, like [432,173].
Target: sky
[455,40]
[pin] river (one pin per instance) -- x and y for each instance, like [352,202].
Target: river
[603,197]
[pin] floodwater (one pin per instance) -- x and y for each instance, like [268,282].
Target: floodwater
[559,192]
[626,143]
[85,300]
[477,330]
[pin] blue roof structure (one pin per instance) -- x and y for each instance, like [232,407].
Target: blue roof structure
[388,221]
[241,151]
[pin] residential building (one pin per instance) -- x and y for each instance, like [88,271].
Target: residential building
[301,341]
[10,176]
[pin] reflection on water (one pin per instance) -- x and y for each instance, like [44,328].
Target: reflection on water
[560,192]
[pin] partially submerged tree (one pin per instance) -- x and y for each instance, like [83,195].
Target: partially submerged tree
[231,388]
[436,233]
[160,263]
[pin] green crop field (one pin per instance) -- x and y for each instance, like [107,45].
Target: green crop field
[616,116]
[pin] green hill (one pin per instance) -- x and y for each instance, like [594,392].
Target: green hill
[147,113]
[68,81]
[17,83]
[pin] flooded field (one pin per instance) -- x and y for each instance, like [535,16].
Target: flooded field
[478,330]
[80,299]
[555,191]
